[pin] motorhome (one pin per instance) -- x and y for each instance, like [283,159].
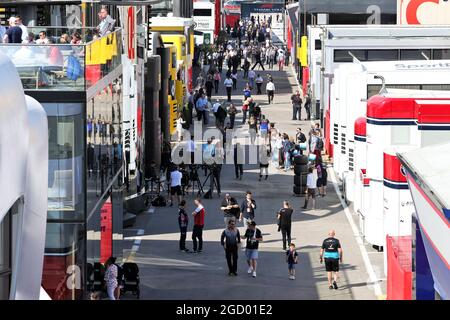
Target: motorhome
[345,44]
[403,119]
[355,83]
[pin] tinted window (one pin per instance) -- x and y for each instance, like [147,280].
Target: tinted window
[202,12]
[382,55]
[415,54]
[344,56]
[318,45]
[441,54]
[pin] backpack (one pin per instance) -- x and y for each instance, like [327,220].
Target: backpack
[319,144]
[302,138]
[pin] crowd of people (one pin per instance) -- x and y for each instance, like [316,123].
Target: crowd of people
[251,54]
[17,32]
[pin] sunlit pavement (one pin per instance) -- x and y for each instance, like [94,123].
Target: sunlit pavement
[167,273]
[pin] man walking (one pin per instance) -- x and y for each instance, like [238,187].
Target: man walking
[199,223]
[296,105]
[285,221]
[331,251]
[270,89]
[238,161]
[201,105]
[259,82]
[311,184]
[247,209]
[175,185]
[230,209]
[230,240]
[253,236]
[228,83]
[308,107]
[251,78]
[258,60]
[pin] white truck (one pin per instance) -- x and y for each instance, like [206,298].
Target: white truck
[344,44]
[355,83]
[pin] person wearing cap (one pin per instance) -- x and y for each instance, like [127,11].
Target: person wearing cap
[253,236]
[14,32]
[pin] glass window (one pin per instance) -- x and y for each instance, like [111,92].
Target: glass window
[407,54]
[5,256]
[344,56]
[436,87]
[382,55]
[441,54]
[64,260]
[66,158]
[202,12]
[373,89]
[318,45]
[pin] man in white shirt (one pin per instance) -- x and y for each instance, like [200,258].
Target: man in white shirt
[175,185]
[228,83]
[191,148]
[19,23]
[311,184]
[270,89]
[42,38]
[251,78]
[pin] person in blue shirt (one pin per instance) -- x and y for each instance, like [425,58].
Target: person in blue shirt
[201,105]
[247,92]
[331,251]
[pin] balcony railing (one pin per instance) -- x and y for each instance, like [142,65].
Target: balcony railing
[65,67]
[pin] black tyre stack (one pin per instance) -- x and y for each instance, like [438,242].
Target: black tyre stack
[301,171]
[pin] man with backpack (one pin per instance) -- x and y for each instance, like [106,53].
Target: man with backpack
[300,136]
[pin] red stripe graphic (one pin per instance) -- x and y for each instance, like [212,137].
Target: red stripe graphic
[433,113]
[379,107]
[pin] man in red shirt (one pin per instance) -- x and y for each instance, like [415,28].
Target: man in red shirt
[199,222]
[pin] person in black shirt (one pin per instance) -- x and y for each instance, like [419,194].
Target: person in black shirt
[253,236]
[230,209]
[285,220]
[331,251]
[183,221]
[230,240]
[247,209]
[291,259]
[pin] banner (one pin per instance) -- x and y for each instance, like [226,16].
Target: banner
[106,235]
[431,12]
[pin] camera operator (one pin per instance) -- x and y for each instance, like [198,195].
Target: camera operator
[213,157]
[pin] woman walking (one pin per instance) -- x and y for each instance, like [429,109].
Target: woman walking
[111,278]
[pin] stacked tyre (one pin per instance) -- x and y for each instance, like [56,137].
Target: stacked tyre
[300,171]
